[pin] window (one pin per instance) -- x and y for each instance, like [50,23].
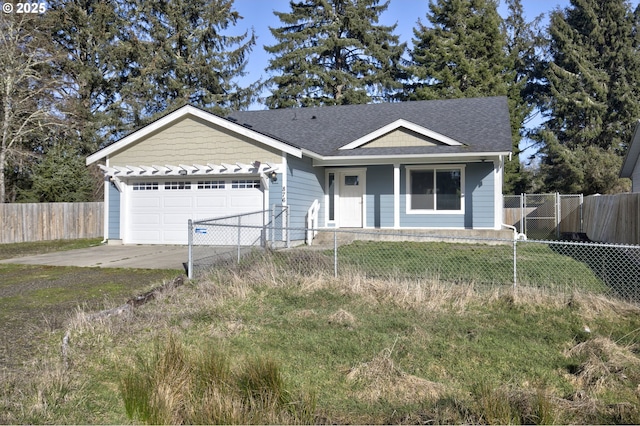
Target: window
[434,189]
[243,184]
[177,185]
[351,180]
[210,184]
[145,186]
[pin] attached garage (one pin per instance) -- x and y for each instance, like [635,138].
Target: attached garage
[160,209]
[189,164]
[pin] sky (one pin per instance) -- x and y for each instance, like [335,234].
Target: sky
[259,15]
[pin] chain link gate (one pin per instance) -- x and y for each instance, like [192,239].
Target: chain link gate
[545,216]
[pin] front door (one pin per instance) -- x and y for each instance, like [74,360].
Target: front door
[350,195]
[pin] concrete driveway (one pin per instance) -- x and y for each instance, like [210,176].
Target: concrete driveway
[113,256]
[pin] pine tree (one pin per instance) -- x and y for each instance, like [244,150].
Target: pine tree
[470,51]
[592,97]
[92,35]
[462,54]
[523,41]
[60,176]
[187,56]
[332,52]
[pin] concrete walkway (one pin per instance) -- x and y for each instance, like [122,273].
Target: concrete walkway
[113,256]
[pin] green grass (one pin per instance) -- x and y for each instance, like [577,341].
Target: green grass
[537,264]
[8,251]
[359,350]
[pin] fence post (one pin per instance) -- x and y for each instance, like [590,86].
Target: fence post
[515,261]
[239,231]
[581,212]
[558,214]
[286,225]
[190,260]
[335,254]
[524,214]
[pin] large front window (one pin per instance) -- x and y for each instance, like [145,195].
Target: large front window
[434,189]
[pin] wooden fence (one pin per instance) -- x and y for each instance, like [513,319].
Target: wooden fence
[613,218]
[23,222]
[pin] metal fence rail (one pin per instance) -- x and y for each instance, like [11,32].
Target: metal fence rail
[220,239]
[559,266]
[544,216]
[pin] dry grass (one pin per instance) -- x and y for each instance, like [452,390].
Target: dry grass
[604,363]
[380,378]
[233,305]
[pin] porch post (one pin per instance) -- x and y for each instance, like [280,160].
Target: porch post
[396,195]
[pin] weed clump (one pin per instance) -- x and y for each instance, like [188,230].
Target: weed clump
[179,386]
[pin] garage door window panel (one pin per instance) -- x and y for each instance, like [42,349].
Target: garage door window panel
[168,186]
[211,184]
[145,186]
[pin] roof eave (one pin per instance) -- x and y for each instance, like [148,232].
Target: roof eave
[196,112]
[319,160]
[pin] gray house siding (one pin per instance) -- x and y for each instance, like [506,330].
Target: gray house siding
[305,184]
[480,180]
[379,196]
[114,212]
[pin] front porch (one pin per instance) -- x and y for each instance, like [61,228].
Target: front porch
[325,237]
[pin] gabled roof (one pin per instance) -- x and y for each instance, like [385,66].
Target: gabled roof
[633,152]
[472,126]
[189,110]
[398,124]
[478,125]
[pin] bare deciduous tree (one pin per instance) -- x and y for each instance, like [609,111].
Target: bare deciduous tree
[27,90]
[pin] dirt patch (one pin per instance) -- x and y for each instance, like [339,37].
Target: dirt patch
[36,301]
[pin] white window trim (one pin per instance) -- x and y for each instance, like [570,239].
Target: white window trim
[407,184]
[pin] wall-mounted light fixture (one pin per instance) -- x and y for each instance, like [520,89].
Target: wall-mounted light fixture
[274,176]
[182,172]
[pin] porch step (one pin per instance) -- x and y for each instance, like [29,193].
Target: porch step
[481,236]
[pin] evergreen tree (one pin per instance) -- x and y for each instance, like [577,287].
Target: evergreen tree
[186,56]
[92,36]
[468,50]
[332,52]
[523,41]
[60,176]
[462,53]
[592,96]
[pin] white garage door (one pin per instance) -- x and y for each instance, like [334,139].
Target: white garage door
[159,210]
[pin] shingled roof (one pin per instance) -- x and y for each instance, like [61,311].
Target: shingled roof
[481,125]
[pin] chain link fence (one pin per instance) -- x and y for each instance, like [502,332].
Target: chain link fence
[560,267]
[545,216]
[229,238]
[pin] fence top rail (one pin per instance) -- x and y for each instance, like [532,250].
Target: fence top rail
[213,219]
[581,243]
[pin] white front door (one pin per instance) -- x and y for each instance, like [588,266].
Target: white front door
[351,191]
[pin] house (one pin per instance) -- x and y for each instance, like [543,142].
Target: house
[631,165]
[410,165]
